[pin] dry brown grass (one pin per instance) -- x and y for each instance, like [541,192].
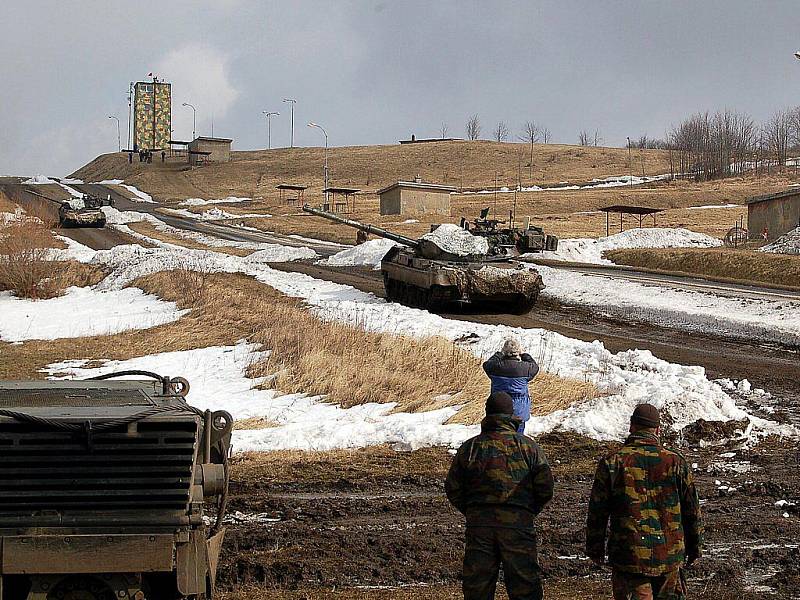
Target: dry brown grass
[6,205]
[562,213]
[460,163]
[724,263]
[254,423]
[25,245]
[347,364]
[148,229]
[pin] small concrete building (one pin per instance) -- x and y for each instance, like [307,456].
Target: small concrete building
[415,198]
[774,213]
[209,149]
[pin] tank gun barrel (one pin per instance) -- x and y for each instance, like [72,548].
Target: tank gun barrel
[379,231]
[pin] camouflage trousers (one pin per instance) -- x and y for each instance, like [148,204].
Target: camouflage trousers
[632,586]
[490,547]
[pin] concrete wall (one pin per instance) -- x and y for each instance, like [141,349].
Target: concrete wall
[778,216]
[412,201]
[220,151]
[390,202]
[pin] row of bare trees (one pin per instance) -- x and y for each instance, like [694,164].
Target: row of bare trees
[726,143]
[532,132]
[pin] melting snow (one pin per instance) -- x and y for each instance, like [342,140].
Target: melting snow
[457,240]
[590,250]
[82,312]
[786,244]
[368,254]
[201,202]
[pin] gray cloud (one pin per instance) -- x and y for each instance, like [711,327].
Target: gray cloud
[373,72]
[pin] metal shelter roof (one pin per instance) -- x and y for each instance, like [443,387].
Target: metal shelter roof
[340,190]
[290,186]
[631,210]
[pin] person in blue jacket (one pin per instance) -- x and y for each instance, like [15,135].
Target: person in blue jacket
[510,371]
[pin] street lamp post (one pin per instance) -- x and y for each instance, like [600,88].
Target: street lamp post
[269,116]
[119,141]
[322,129]
[291,102]
[194,119]
[630,163]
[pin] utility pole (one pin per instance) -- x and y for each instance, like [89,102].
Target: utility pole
[269,116]
[130,101]
[291,102]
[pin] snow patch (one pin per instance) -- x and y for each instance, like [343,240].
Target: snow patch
[590,250]
[201,202]
[457,240]
[768,320]
[82,312]
[786,244]
[139,195]
[214,214]
[368,254]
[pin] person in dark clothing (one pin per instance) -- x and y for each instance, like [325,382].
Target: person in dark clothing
[130,157]
[500,481]
[645,507]
[510,371]
[163,156]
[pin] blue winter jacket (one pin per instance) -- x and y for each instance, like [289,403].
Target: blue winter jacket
[511,375]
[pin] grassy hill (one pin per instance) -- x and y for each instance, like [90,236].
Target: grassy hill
[467,165]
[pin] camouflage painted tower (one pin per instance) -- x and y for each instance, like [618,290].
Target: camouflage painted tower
[152,115]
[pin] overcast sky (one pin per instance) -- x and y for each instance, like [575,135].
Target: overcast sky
[373,72]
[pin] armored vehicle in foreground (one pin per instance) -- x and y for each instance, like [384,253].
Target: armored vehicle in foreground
[110,489]
[83,212]
[507,240]
[423,274]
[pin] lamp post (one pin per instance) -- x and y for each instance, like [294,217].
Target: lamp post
[119,142]
[194,118]
[630,163]
[291,102]
[269,116]
[322,129]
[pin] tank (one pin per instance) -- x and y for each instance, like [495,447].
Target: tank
[421,274]
[509,240]
[110,489]
[83,212]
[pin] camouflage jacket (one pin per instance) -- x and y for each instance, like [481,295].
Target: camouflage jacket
[500,478]
[648,493]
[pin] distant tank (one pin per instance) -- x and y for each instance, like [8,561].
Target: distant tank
[83,212]
[424,275]
[510,241]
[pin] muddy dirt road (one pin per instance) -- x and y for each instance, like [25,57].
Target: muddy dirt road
[350,520]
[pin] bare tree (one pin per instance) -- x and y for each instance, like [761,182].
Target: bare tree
[501,132]
[597,139]
[545,133]
[778,131]
[531,133]
[443,130]
[473,127]
[584,138]
[723,144]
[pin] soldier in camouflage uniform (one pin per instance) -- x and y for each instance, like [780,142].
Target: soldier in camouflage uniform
[500,480]
[649,495]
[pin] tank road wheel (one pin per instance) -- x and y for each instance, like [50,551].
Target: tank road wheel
[523,304]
